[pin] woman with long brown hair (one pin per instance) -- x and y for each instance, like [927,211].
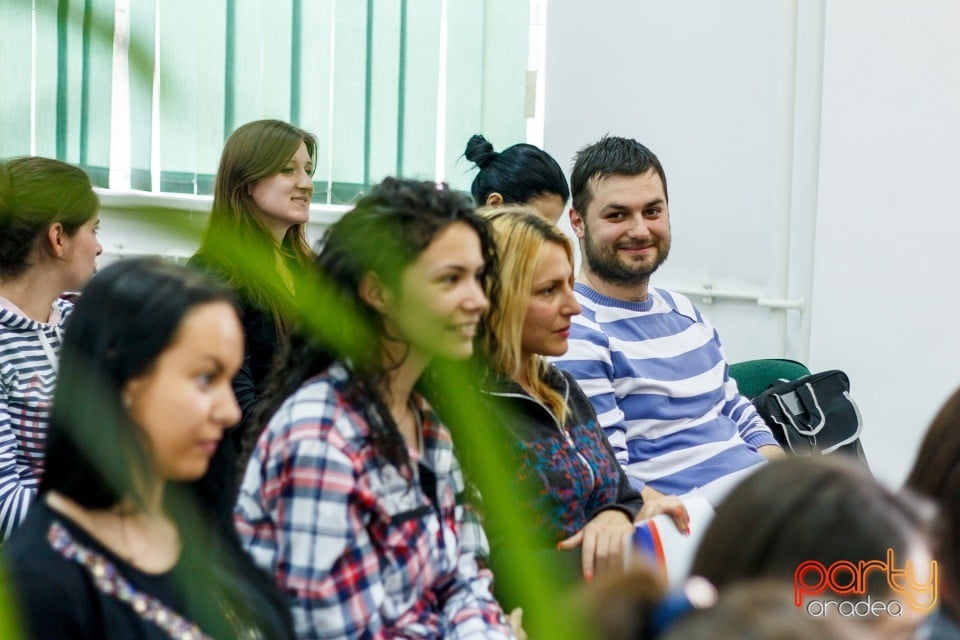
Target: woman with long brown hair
[255,240]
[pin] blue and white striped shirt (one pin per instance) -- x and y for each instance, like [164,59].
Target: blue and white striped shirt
[657,376]
[29,351]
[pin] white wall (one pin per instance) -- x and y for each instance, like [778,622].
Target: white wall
[812,150]
[885,292]
[701,84]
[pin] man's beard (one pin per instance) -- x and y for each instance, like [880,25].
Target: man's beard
[604,261]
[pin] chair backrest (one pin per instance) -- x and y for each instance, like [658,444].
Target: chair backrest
[755,376]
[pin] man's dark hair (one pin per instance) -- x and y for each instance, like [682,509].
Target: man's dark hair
[610,156]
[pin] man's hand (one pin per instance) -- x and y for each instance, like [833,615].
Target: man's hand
[771,452]
[603,542]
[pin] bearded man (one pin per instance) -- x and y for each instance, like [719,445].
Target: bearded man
[651,364]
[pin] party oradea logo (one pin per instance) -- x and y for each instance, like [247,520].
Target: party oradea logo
[841,587]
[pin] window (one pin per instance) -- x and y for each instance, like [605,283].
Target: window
[142,93]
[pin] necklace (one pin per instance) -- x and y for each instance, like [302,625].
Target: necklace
[148,541]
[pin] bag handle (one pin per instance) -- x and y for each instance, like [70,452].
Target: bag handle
[808,399]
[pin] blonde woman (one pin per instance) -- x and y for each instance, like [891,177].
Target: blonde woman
[579,497]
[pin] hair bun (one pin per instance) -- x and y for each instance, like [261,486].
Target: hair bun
[480,151]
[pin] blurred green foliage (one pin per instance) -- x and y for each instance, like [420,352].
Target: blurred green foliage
[9,627]
[545,615]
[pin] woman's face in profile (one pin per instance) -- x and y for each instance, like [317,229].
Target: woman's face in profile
[185,402]
[441,298]
[81,251]
[546,326]
[284,198]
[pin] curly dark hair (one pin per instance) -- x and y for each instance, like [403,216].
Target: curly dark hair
[383,234]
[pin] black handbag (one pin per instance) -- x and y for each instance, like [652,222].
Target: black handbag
[813,415]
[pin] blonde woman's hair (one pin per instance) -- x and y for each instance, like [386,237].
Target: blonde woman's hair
[520,235]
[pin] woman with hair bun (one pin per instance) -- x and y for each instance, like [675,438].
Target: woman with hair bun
[48,245]
[522,175]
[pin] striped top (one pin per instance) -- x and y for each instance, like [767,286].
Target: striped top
[29,351]
[656,373]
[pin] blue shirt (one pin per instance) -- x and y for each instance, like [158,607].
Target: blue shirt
[657,376]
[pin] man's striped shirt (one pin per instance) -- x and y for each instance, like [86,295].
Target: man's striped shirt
[657,376]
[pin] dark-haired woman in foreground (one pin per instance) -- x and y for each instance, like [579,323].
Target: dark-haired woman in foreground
[121,544]
[349,497]
[520,175]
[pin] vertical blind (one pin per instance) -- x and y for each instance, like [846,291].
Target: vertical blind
[390,87]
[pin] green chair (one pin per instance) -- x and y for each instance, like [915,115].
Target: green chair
[755,376]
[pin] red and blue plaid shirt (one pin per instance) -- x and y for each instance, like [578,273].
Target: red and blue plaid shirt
[360,549]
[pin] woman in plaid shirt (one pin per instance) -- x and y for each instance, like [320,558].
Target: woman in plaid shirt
[349,497]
